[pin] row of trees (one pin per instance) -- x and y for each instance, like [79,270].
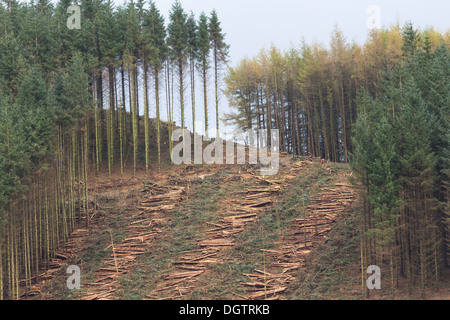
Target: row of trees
[384,106]
[308,92]
[43,165]
[78,101]
[132,48]
[401,157]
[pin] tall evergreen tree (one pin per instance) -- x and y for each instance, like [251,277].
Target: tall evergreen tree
[192,49]
[158,54]
[178,48]
[220,51]
[204,49]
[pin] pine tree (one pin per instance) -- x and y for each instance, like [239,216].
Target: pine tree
[204,49]
[130,63]
[178,48]
[192,50]
[411,40]
[220,52]
[35,111]
[108,42]
[158,53]
[12,64]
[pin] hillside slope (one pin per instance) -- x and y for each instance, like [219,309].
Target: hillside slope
[217,232]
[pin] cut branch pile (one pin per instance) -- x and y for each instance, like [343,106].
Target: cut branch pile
[141,233]
[245,210]
[190,265]
[300,164]
[265,285]
[323,210]
[51,268]
[160,199]
[221,235]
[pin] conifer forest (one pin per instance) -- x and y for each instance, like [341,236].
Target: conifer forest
[91,94]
